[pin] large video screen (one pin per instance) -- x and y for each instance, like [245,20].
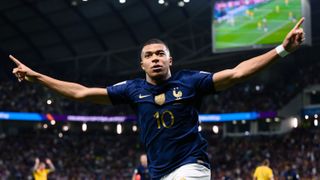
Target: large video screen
[251,24]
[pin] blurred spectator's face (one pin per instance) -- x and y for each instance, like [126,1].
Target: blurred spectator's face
[144,160]
[42,166]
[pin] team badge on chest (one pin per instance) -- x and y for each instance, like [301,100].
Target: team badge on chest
[176,93]
[160,99]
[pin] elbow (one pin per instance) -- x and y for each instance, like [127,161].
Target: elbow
[79,95]
[238,76]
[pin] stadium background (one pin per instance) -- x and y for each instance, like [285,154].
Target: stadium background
[97,43]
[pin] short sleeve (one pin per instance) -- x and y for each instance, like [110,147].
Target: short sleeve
[255,173]
[118,93]
[203,82]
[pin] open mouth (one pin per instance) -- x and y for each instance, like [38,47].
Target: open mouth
[156,68]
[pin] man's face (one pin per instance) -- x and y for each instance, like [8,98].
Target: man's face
[42,165]
[144,160]
[156,61]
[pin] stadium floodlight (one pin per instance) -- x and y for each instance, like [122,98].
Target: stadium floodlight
[268,120]
[294,122]
[161,1]
[122,1]
[65,128]
[134,128]
[49,101]
[60,135]
[186,1]
[52,122]
[119,129]
[106,127]
[180,3]
[215,129]
[84,127]
[74,3]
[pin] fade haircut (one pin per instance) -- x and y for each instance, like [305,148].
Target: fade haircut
[154,41]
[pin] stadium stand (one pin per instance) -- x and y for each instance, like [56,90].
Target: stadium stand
[98,155]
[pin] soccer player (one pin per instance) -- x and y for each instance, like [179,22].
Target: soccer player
[167,105]
[263,172]
[141,172]
[40,172]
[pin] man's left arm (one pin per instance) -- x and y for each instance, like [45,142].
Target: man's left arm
[50,164]
[227,78]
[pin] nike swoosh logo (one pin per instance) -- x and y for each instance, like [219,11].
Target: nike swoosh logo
[143,96]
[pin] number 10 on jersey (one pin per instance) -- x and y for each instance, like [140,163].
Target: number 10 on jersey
[160,118]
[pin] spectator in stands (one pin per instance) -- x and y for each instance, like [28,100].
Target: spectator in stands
[40,172]
[141,172]
[263,171]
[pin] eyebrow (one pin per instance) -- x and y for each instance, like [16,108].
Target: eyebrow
[157,51]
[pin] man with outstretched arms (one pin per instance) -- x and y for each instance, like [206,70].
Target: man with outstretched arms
[167,105]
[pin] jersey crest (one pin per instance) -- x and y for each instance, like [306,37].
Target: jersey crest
[160,99]
[176,93]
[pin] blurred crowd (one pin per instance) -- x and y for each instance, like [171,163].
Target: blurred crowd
[87,156]
[237,158]
[75,156]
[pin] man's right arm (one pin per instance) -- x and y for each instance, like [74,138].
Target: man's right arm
[68,89]
[36,164]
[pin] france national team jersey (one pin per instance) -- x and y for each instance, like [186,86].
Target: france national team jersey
[168,118]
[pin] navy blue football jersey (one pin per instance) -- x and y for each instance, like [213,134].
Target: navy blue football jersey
[168,118]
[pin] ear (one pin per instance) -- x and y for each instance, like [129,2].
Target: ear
[141,65]
[170,61]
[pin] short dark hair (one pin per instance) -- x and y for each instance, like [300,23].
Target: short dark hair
[266,162]
[154,41]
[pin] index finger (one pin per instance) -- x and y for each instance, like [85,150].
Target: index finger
[15,60]
[299,23]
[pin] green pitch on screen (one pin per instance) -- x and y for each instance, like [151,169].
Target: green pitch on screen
[265,24]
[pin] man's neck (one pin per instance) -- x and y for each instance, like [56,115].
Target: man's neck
[158,81]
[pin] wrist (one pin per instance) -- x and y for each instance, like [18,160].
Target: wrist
[33,78]
[281,51]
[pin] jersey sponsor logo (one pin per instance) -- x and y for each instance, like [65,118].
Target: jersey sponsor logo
[143,96]
[120,83]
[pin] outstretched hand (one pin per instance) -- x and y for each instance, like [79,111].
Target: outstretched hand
[22,72]
[48,161]
[37,160]
[294,38]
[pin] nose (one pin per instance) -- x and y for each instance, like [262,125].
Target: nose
[155,60]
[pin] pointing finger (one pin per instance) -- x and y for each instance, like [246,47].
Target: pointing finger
[15,60]
[299,23]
